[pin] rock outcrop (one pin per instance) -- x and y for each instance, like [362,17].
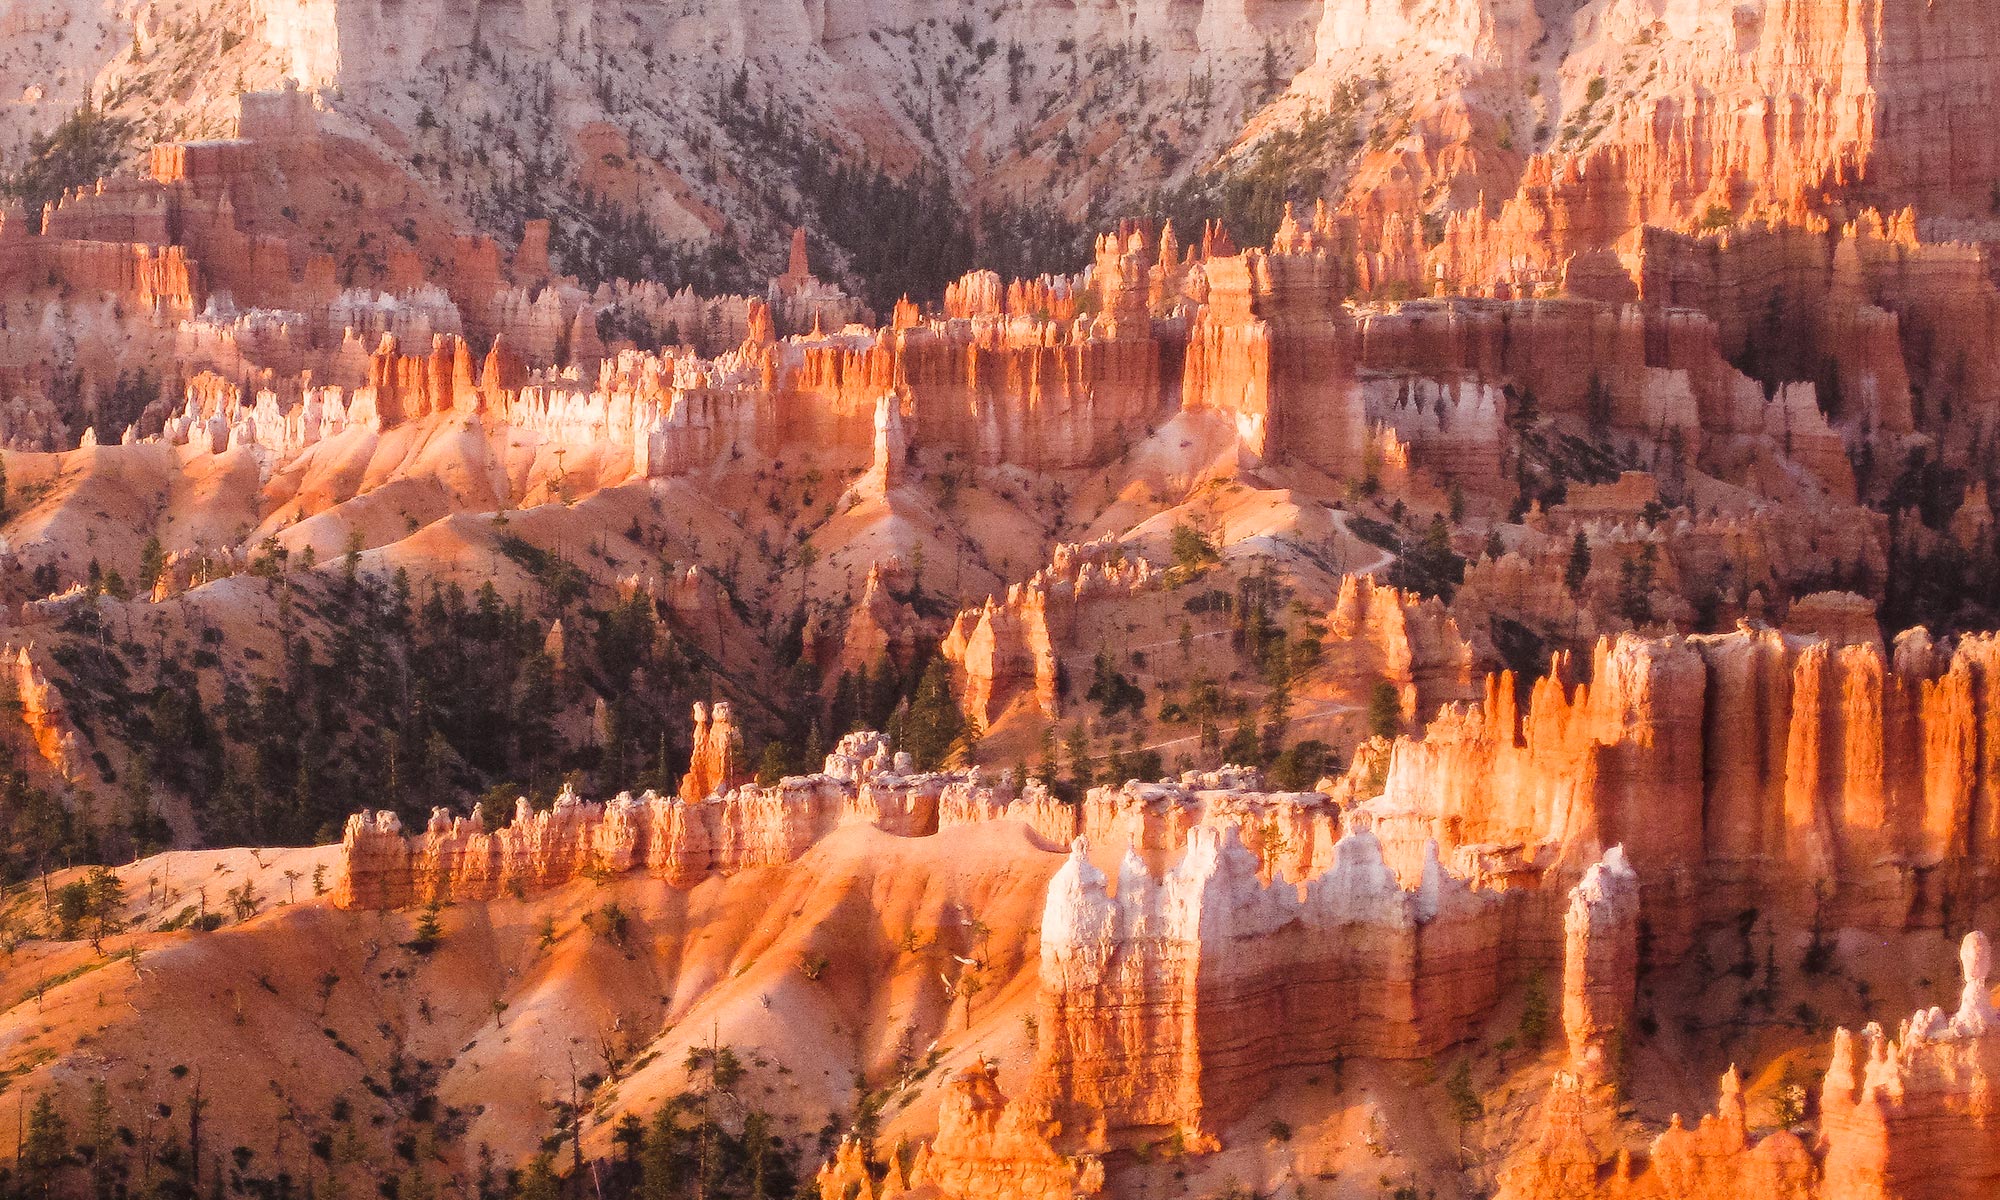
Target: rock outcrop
[1007,648]
[1383,635]
[1744,766]
[1167,1003]
[1270,350]
[716,765]
[44,715]
[986,1148]
[675,838]
[1600,966]
[1914,1116]
[1716,1158]
[1909,1117]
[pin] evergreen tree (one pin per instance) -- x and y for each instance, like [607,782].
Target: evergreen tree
[1192,549]
[1076,745]
[1465,1103]
[81,150]
[538,1182]
[660,1175]
[429,929]
[100,1141]
[772,764]
[45,1149]
[844,713]
[1528,409]
[1385,710]
[757,1153]
[1437,536]
[1635,586]
[1533,1027]
[1578,570]
[104,905]
[1244,749]
[934,722]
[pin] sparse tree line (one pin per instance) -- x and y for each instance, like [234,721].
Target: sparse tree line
[395,702]
[158,1141]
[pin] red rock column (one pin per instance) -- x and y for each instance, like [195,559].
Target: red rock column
[1600,964]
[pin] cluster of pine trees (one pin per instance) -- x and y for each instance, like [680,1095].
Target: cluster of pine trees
[706,1143]
[403,703]
[80,150]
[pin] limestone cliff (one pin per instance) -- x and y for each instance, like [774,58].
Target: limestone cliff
[1912,1115]
[1383,635]
[1269,350]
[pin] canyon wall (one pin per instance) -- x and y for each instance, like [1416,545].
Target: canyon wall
[1377,634]
[1913,1115]
[1753,767]
[1793,106]
[1167,1002]
[1269,348]
[1245,932]
[1058,372]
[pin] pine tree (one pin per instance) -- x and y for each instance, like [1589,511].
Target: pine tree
[1385,711]
[538,1182]
[1578,570]
[1437,537]
[1465,1104]
[629,1136]
[1244,749]
[152,559]
[1534,1023]
[771,765]
[1635,587]
[1077,745]
[756,1147]
[99,1139]
[429,930]
[46,1148]
[104,905]
[1528,409]
[844,713]
[659,1162]
[934,722]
